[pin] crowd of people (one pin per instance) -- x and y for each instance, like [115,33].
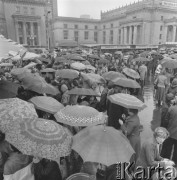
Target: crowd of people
[148,66]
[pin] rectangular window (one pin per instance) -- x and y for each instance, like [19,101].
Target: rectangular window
[25,10]
[20,28]
[21,40]
[161,28]
[76,36]
[86,35]
[65,26]
[111,37]
[96,27]
[161,18]
[104,37]
[28,29]
[104,26]
[17,9]
[86,27]
[75,26]
[65,34]
[111,25]
[119,36]
[32,11]
[96,36]
[160,36]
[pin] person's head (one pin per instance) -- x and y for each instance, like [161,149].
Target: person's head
[170,99]
[132,112]
[117,89]
[160,134]
[64,88]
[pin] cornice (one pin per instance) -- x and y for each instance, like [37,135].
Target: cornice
[25,17]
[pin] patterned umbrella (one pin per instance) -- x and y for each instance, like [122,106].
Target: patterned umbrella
[67,73]
[47,104]
[83,92]
[14,111]
[41,138]
[78,66]
[127,101]
[112,75]
[131,73]
[125,82]
[79,116]
[103,145]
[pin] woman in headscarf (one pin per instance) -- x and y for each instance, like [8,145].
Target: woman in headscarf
[149,154]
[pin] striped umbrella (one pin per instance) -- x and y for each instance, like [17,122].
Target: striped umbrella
[41,138]
[127,101]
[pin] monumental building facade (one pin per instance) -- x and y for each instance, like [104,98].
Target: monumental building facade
[26,21]
[147,22]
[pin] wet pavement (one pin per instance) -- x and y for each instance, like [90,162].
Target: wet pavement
[150,116]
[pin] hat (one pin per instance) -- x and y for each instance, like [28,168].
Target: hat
[161,132]
[170,97]
[64,88]
[174,83]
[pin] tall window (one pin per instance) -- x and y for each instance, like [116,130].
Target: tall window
[104,26]
[96,36]
[20,32]
[111,37]
[111,25]
[86,35]
[32,11]
[65,26]
[161,28]
[65,34]
[76,36]
[161,18]
[25,10]
[104,37]
[75,26]
[86,26]
[96,27]
[119,36]
[160,36]
[18,9]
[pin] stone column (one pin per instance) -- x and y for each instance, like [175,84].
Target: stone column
[125,35]
[174,34]
[165,34]
[39,34]
[32,33]
[24,33]
[130,35]
[122,35]
[16,30]
[135,34]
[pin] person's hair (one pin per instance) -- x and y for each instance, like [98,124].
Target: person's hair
[161,132]
[134,111]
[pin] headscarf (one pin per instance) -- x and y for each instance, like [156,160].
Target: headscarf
[161,132]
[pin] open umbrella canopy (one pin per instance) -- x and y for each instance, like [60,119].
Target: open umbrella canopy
[169,63]
[127,101]
[48,70]
[125,82]
[78,66]
[144,54]
[37,84]
[14,111]
[79,116]
[173,56]
[141,59]
[102,144]
[41,138]
[93,56]
[83,92]
[44,59]
[93,78]
[112,75]
[102,61]
[47,104]
[67,73]
[20,73]
[90,67]
[77,58]
[131,73]
[30,65]
[6,65]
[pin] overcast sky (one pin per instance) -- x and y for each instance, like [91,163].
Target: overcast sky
[75,8]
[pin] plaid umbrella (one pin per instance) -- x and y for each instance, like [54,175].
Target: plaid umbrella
[79,116]
[67,74]
[125,82]
[41,138]
[14,111]
[127,101]
[112,75]
[47,104]
[103,145]
[131,73]
[83,92]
